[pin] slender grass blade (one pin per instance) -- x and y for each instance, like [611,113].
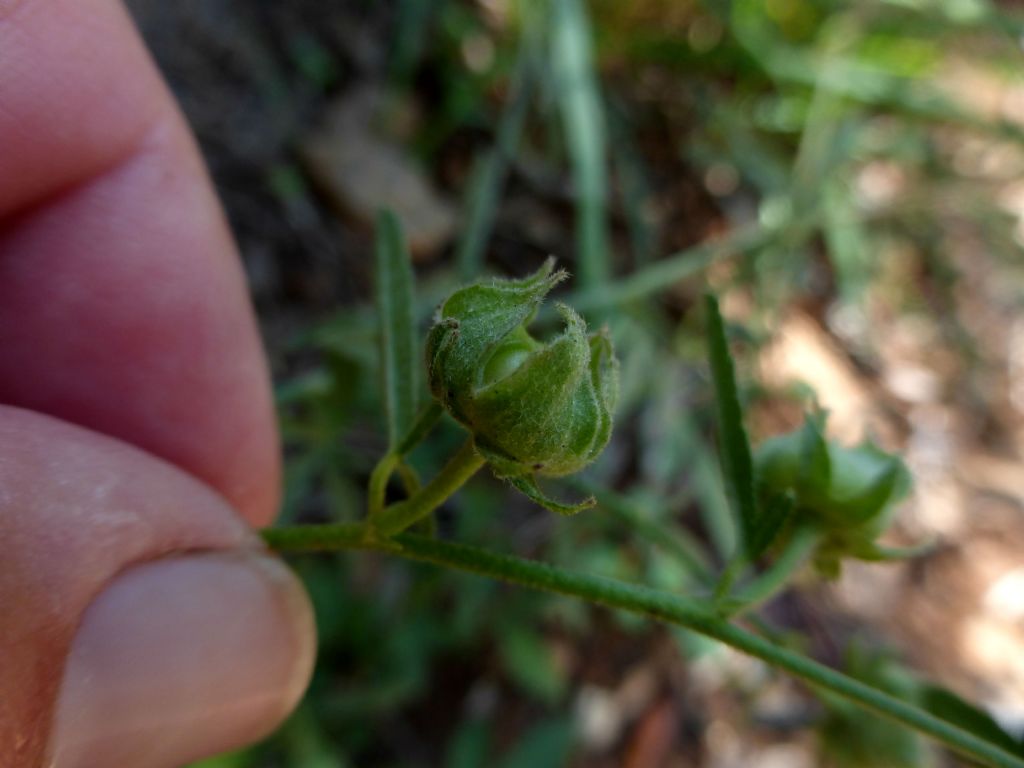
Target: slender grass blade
[400,356]
[737,463]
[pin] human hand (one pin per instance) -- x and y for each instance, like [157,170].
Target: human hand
[141,623]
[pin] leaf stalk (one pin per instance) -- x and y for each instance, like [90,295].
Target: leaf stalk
[692,614]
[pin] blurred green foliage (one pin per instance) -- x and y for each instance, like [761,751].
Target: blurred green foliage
[825,125]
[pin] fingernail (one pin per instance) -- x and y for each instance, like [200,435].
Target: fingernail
[183,658]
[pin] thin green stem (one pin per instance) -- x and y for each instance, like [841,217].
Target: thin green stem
[378,485]
[792,558]
[462,466]
[664,273]
[733,570]
[425,422]
[410,479]
[393,460]
[684,612]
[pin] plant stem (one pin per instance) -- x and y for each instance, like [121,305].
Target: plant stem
[425,422]
[666,272]
[798,549]
[684,612]
[393,460]
[733,570]
[410,479]
[396,518]
[378,485]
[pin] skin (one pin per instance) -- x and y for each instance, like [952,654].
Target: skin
[128,349]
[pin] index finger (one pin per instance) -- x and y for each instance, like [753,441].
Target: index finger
[123,307]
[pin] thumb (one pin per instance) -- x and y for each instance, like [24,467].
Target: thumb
[142,623]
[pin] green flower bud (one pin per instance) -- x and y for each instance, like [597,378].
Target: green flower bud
[534,408]
[849,494]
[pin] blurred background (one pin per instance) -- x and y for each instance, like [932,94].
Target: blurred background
[858,171]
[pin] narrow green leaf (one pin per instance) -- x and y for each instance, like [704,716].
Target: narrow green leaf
[584,126]
[395,307]
[490,169]
[737,464]
[951,708]
[528,486]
